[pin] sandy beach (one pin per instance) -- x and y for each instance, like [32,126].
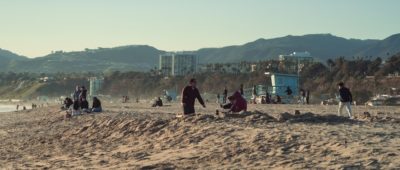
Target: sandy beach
[136,136]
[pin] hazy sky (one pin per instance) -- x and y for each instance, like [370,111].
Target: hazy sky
[36,27]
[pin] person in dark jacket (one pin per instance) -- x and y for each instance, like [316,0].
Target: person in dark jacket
[241,90]
[288,91]
[189,95]
[96,105]
[345,98]
[67,103]
[83,94]
[157,102]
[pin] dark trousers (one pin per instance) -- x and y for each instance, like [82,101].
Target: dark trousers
[188,109]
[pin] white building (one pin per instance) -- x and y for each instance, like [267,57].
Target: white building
[301,57]
[165,64]
[177,64]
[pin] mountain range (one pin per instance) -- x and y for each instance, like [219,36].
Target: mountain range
[144,57]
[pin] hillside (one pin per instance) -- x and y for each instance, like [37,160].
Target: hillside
[384,48]
[7,58]
[321,46]
[132,58]
[144,58]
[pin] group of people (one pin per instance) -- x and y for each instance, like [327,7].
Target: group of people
[33,106]
[190,93]
[125,99]
[79,103]
[238,103]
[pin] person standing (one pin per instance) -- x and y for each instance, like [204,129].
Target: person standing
[225,95]
[254,95]
[289,93]
[189,95]
[241,90]
[308,96]
[345,98]
[77,93]
[82,98]
[83,94]
[302,96]
[218,98]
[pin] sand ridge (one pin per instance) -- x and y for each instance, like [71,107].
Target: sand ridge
[134,136]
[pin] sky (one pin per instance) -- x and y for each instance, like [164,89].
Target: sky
[34,28]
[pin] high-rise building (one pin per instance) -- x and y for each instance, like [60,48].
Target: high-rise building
[177,64]
[165,64]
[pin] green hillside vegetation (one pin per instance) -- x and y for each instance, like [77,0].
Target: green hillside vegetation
[319,78]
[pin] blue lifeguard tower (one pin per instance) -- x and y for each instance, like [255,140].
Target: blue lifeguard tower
[280,82]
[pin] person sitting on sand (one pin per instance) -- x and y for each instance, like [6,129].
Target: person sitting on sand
[85,105]
[67,103]
[157,102]
[96,105]
[236,103]
[75,110]
[189,95]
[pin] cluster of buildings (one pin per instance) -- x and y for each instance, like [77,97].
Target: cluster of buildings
[183,63]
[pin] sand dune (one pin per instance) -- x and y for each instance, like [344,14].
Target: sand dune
[134,136]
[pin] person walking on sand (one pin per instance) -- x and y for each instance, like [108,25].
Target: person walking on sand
[189,95]
[345,98]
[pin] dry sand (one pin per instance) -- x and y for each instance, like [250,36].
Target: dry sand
[135,136]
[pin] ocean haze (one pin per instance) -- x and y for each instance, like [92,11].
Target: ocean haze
[34,28]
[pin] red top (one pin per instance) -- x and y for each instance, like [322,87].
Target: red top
[239,104]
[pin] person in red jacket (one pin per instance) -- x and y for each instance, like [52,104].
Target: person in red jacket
[189,95]
[237,103]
